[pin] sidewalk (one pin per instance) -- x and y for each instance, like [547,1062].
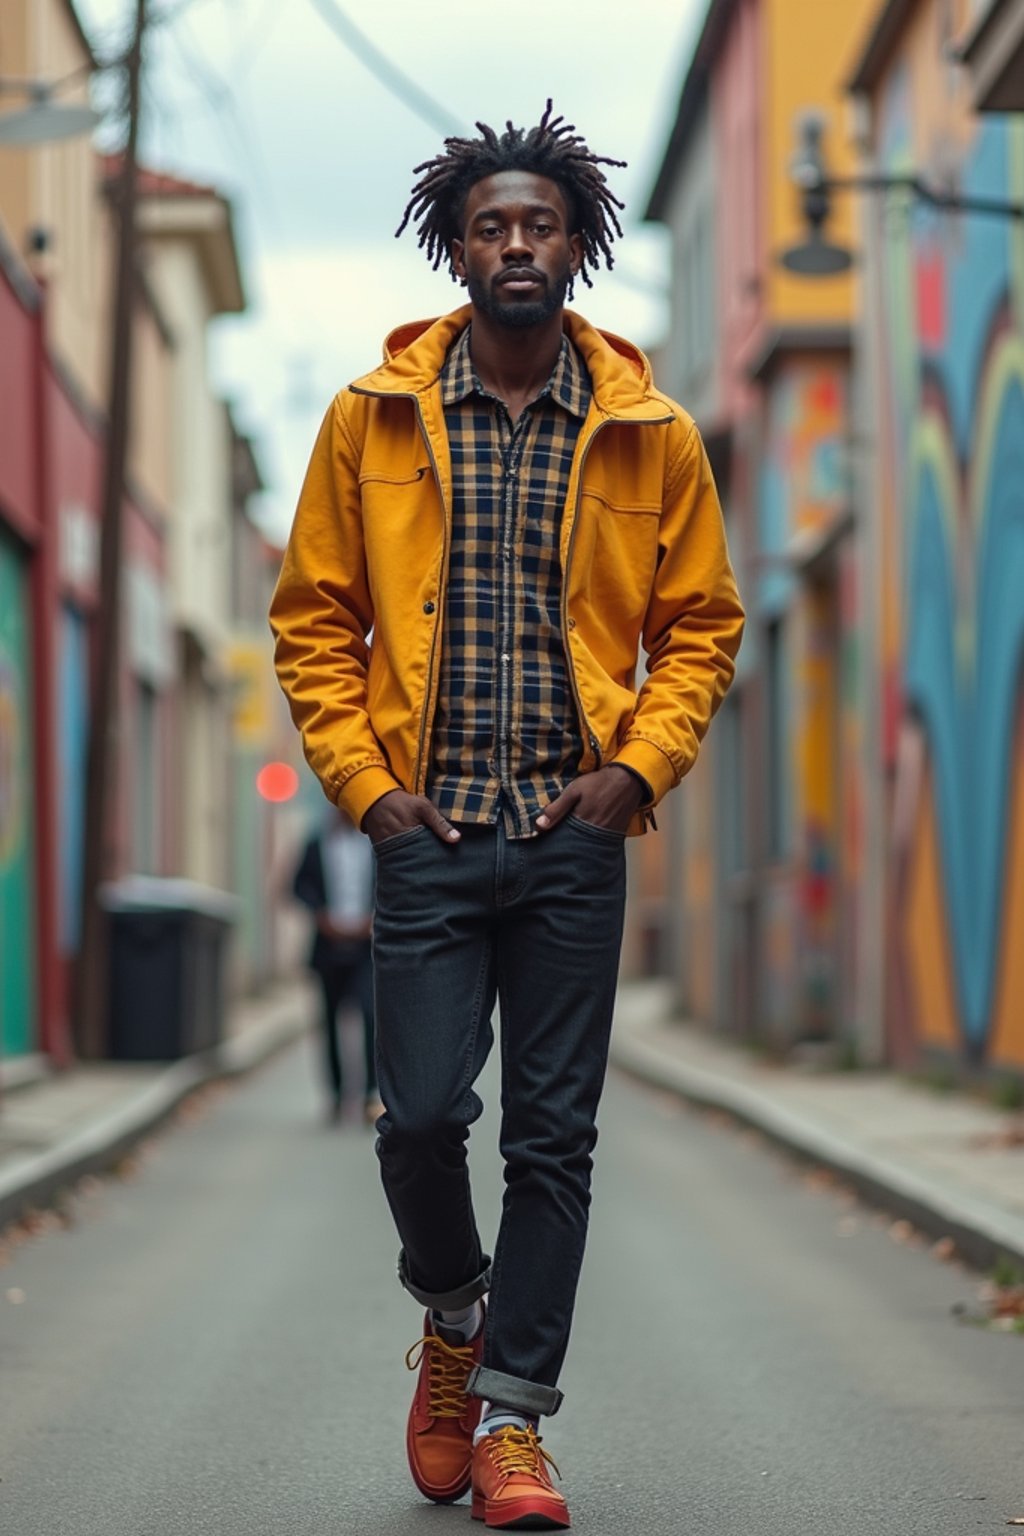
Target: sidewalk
[951,1165]
[60,1126]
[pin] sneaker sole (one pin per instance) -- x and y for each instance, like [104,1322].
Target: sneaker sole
[518,1515]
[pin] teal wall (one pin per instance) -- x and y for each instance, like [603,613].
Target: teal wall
[17,887]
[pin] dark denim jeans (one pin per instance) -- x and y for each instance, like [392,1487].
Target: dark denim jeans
[538,924]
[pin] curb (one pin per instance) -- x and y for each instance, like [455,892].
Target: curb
[982,1232]
[38,1180]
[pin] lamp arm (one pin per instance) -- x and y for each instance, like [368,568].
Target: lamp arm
[991,206]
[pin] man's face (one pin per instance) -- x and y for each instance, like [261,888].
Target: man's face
[517,254]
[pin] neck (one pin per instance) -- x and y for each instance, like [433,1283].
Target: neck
[514,364]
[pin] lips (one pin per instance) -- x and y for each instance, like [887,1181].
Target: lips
[520,277]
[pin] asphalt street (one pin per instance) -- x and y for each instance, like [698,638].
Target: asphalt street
[216,1345]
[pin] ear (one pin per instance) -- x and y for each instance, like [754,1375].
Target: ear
[575,253]
[458,264]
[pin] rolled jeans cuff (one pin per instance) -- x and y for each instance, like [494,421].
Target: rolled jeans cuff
[513,1391]
[447,1301]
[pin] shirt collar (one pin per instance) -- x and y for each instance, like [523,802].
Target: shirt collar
[568,384]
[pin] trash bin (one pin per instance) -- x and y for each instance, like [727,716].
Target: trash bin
[166,979]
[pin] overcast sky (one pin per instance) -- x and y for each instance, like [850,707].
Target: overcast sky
[261,99]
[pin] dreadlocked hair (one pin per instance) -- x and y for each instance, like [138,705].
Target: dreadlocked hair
[553,149]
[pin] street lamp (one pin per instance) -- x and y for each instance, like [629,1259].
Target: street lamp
[44,119]
[817,257]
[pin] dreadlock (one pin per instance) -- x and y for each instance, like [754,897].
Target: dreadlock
[553,149]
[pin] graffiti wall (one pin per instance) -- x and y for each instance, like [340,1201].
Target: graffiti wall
[951,431]
[803,500]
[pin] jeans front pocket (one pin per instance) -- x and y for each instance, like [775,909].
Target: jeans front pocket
[604,834]
[399,839]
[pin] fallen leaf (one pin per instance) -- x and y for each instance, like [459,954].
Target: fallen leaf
[1009,1302]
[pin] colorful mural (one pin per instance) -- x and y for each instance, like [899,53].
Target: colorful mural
[17,904]
[804,494]
[953,348]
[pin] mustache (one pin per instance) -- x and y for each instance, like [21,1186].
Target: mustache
[519,274]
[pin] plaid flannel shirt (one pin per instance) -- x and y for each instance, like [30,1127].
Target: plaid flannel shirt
[506,736]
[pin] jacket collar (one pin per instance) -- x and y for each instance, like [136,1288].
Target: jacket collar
[414,355]
[568,385]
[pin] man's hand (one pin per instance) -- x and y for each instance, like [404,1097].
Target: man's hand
[609,797]
[398,810]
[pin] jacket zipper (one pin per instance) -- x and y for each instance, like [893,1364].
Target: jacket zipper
[653,421]
[419,771]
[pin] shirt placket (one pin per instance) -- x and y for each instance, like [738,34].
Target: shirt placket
[512,439]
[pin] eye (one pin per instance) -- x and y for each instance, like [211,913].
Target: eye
[542,229]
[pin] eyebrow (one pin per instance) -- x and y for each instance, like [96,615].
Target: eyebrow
[498,213]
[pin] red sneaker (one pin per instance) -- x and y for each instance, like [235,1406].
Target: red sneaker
[511,1483]
[439,1435]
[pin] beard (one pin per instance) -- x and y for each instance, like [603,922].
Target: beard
[515,313]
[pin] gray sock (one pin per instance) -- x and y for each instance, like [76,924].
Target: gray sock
[459,1327]
[495,1417]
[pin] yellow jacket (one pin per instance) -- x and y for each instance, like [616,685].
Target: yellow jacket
[643,557]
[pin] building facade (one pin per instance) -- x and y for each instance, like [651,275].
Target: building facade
[54,313]
[177,794]
[944,340]
[766,903]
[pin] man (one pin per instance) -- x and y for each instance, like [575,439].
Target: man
[511,507]
[334,880]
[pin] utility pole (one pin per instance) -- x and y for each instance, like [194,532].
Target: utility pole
[102,761]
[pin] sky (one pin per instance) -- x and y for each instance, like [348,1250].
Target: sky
[264,101]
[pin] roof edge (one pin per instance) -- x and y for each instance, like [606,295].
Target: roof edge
[879,45]
[780,341]
[691,98]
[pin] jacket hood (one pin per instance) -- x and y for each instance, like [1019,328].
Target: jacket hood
[414,355]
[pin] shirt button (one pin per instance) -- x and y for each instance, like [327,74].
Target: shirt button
[428,607]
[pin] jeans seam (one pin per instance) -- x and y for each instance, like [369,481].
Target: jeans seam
[496,1261]
[474,1031]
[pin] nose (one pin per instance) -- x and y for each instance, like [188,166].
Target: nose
[516,245]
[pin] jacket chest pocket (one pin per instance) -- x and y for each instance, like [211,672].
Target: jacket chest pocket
[394,500]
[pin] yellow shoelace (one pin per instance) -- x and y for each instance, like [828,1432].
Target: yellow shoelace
[448,1369]
[519,1450]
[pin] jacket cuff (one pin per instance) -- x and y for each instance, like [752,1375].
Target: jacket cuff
[651,763]
[364,789]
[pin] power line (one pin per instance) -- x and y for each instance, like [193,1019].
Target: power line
[394,79]
[416,99]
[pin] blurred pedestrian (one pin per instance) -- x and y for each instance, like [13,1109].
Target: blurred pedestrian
[510,506]
[335,880]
